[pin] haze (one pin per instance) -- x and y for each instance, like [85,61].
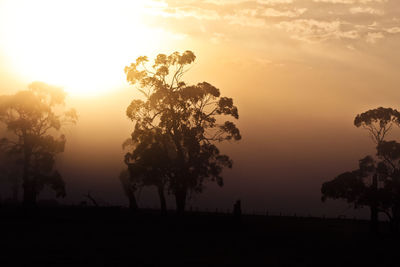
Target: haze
[298,71]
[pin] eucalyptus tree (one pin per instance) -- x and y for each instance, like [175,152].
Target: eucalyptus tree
[34,118]
[361,187]
[378,122]
[187,123]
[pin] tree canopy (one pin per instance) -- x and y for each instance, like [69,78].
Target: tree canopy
[376,183]
[179,124]
[32,122]
[378,122]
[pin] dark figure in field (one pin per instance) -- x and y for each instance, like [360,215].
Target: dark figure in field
[237,210]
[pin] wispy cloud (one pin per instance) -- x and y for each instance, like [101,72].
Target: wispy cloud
[348,21]
[373,37]
[312,30]
[366,10]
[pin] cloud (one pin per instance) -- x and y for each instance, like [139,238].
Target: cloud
[274,2]
[346,21]
[373,37]
[224,2]
[366,10]
[266,2]
[312,30]
[393,30]
[271,12]
[193,12]
[335,1]
[350,1]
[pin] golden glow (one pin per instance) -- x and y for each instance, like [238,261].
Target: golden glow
[80,45]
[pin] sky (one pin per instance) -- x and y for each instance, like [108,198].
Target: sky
[299,71]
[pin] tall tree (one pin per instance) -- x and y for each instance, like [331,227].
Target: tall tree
[189,118]
[378,122]
[33,122]
[361,186]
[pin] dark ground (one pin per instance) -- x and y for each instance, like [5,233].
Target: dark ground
[68,236]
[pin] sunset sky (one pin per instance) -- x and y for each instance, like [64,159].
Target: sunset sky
[298,70]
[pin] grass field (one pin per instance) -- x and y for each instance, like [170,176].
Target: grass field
[72,236]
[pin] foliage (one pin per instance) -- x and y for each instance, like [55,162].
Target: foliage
[178,126]
[378,122]
[356,187]
[32,121]
[376,183]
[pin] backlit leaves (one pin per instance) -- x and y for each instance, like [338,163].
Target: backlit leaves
[187,120]
[31,116]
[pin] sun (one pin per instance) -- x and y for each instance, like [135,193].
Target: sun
[82,46]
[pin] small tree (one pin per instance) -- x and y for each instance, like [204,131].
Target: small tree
[31,118]
[187,119]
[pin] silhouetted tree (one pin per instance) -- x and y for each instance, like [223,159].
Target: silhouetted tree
[355,186]
[361,186]
[149,162]
[32,121]
[188,121]
[378,122]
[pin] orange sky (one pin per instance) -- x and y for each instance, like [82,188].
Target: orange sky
[298,70]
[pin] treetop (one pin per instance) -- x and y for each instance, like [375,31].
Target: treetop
[381,115]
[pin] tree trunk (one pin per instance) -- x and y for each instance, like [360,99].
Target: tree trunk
[133,206]
[29,195]
[374,219]
[29,186]
[180,197]
[15,191]
[396,218]
[374,205]
[163,202]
